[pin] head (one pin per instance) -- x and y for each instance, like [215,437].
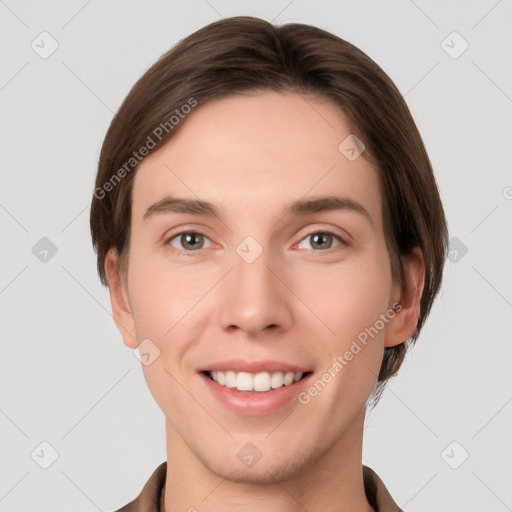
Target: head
[251,118]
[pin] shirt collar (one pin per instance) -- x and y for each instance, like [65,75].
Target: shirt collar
[149,498]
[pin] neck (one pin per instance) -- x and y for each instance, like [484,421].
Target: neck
[327,480]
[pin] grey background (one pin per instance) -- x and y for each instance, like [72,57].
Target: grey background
[65,375]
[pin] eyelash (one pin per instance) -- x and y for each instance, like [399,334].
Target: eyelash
[342,242]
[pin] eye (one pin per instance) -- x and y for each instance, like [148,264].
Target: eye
[191,241]
[323,240]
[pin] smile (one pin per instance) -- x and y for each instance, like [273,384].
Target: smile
[253,394]
[259,382]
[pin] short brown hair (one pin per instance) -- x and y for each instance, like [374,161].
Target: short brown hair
[241,55]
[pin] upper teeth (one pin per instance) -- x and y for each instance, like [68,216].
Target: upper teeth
[262,381]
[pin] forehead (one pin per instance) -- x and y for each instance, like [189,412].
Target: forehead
[255,153]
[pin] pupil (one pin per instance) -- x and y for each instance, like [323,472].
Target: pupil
[320,236]
[188,237]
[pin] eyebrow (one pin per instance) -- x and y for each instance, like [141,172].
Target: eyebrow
[301,207]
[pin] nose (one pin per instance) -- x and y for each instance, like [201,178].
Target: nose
[254,298]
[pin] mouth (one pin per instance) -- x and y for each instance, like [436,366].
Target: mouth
[251,388]
[260,382]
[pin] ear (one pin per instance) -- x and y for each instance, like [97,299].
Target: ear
[121,309]
[403,324]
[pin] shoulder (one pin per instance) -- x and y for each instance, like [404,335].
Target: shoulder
[149,498]
[376,492]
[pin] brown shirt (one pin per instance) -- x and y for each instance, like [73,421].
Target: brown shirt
[149,498]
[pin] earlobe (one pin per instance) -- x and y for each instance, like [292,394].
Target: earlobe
[121,309]
[402,326]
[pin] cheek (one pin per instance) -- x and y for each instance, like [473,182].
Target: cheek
[165,305]
[159,296]
[169,305]
[352,307]
[347,297]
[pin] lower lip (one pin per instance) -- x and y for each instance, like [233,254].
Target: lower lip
[254,403]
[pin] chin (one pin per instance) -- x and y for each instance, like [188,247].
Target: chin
[266,470]
[260,474]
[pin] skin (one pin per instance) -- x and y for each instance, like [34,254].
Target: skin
[297,302]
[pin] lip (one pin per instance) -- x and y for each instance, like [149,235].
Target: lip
[254,403]
[240,365]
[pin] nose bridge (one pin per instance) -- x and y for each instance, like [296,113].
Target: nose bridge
[253,298]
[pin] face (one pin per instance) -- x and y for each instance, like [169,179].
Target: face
[266,278]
